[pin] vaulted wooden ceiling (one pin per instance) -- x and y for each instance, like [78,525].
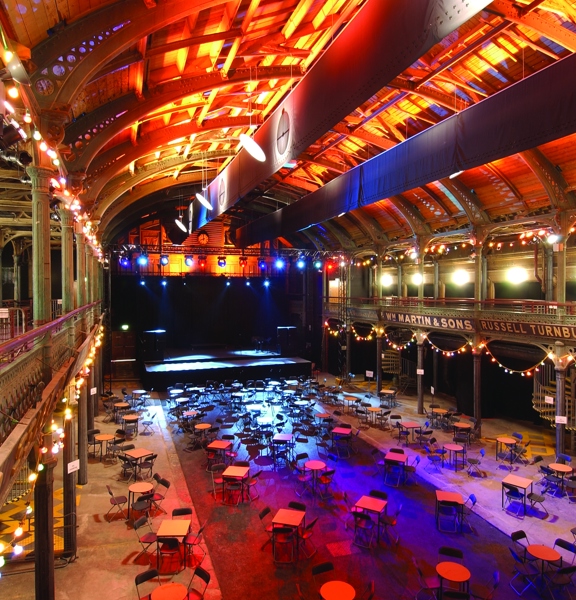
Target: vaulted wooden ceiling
[144,102]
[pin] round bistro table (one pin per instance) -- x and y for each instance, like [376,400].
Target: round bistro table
[337,590]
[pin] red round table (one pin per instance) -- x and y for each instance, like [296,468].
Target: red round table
[315,466]
[453,572]
[337,590]
[170,591]
[543,553]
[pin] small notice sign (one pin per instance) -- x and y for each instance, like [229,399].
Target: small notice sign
[432,389]
[73,466]
[419,371]
[549,399]
[561,420]
[369,373]
[93,391]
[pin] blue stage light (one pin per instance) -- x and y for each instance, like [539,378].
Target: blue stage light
[317,264]
[248,282]
[262,263]
[164,283]
[189,261]
[266,283]
[124,261]
[142,282]
[164,260]
[280,263]
[301,263]
[142,260]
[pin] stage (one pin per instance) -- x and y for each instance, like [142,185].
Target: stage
[219,365]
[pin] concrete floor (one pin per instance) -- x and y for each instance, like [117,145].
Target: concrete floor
[234,536]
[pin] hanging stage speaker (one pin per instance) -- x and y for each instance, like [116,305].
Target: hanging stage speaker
[287,340]
[153,345]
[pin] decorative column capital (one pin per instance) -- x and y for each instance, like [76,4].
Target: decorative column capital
[52,125]
[421,337]
[65,217]
[75,181]
[40,177]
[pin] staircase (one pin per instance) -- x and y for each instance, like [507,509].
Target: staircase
[545,387]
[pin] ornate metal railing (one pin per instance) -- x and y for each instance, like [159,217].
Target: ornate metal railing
[14,321]
[23,362]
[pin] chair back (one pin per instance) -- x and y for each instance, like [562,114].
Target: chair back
[202,574]
[181,512]
[378,494]
[140,522]
[265,511]
[516,536]
[565,545]
[322,568]
[451,552]
[297,505]
[146,576]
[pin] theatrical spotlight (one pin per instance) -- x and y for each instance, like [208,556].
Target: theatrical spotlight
[279,264]
[164,283]
[317,264]
[266,283]
[301,262]
[262,263]
[243,261]
[189,261]
[222,261]
[202,261]
[142,260]
[142,282]
[164,260]
[228,283]
[124,261]
[248,282]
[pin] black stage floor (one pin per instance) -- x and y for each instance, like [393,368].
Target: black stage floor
[183,366]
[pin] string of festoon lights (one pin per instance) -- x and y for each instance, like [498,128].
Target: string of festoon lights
[449,352]
[52,443]
[361,338]
[335,330]
[523,372]
[396,346]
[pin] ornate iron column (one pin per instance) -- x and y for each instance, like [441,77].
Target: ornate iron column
[477,375]
[69,495]
[379,361]
[561,363]
[83,435]
[44,528]
[41,267]
[420,338]
[41,275]
[67,251]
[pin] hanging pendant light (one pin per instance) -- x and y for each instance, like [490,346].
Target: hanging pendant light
[203,201]
[179,222]
[200,197]
[252,147]
[249,143]
[180,225]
